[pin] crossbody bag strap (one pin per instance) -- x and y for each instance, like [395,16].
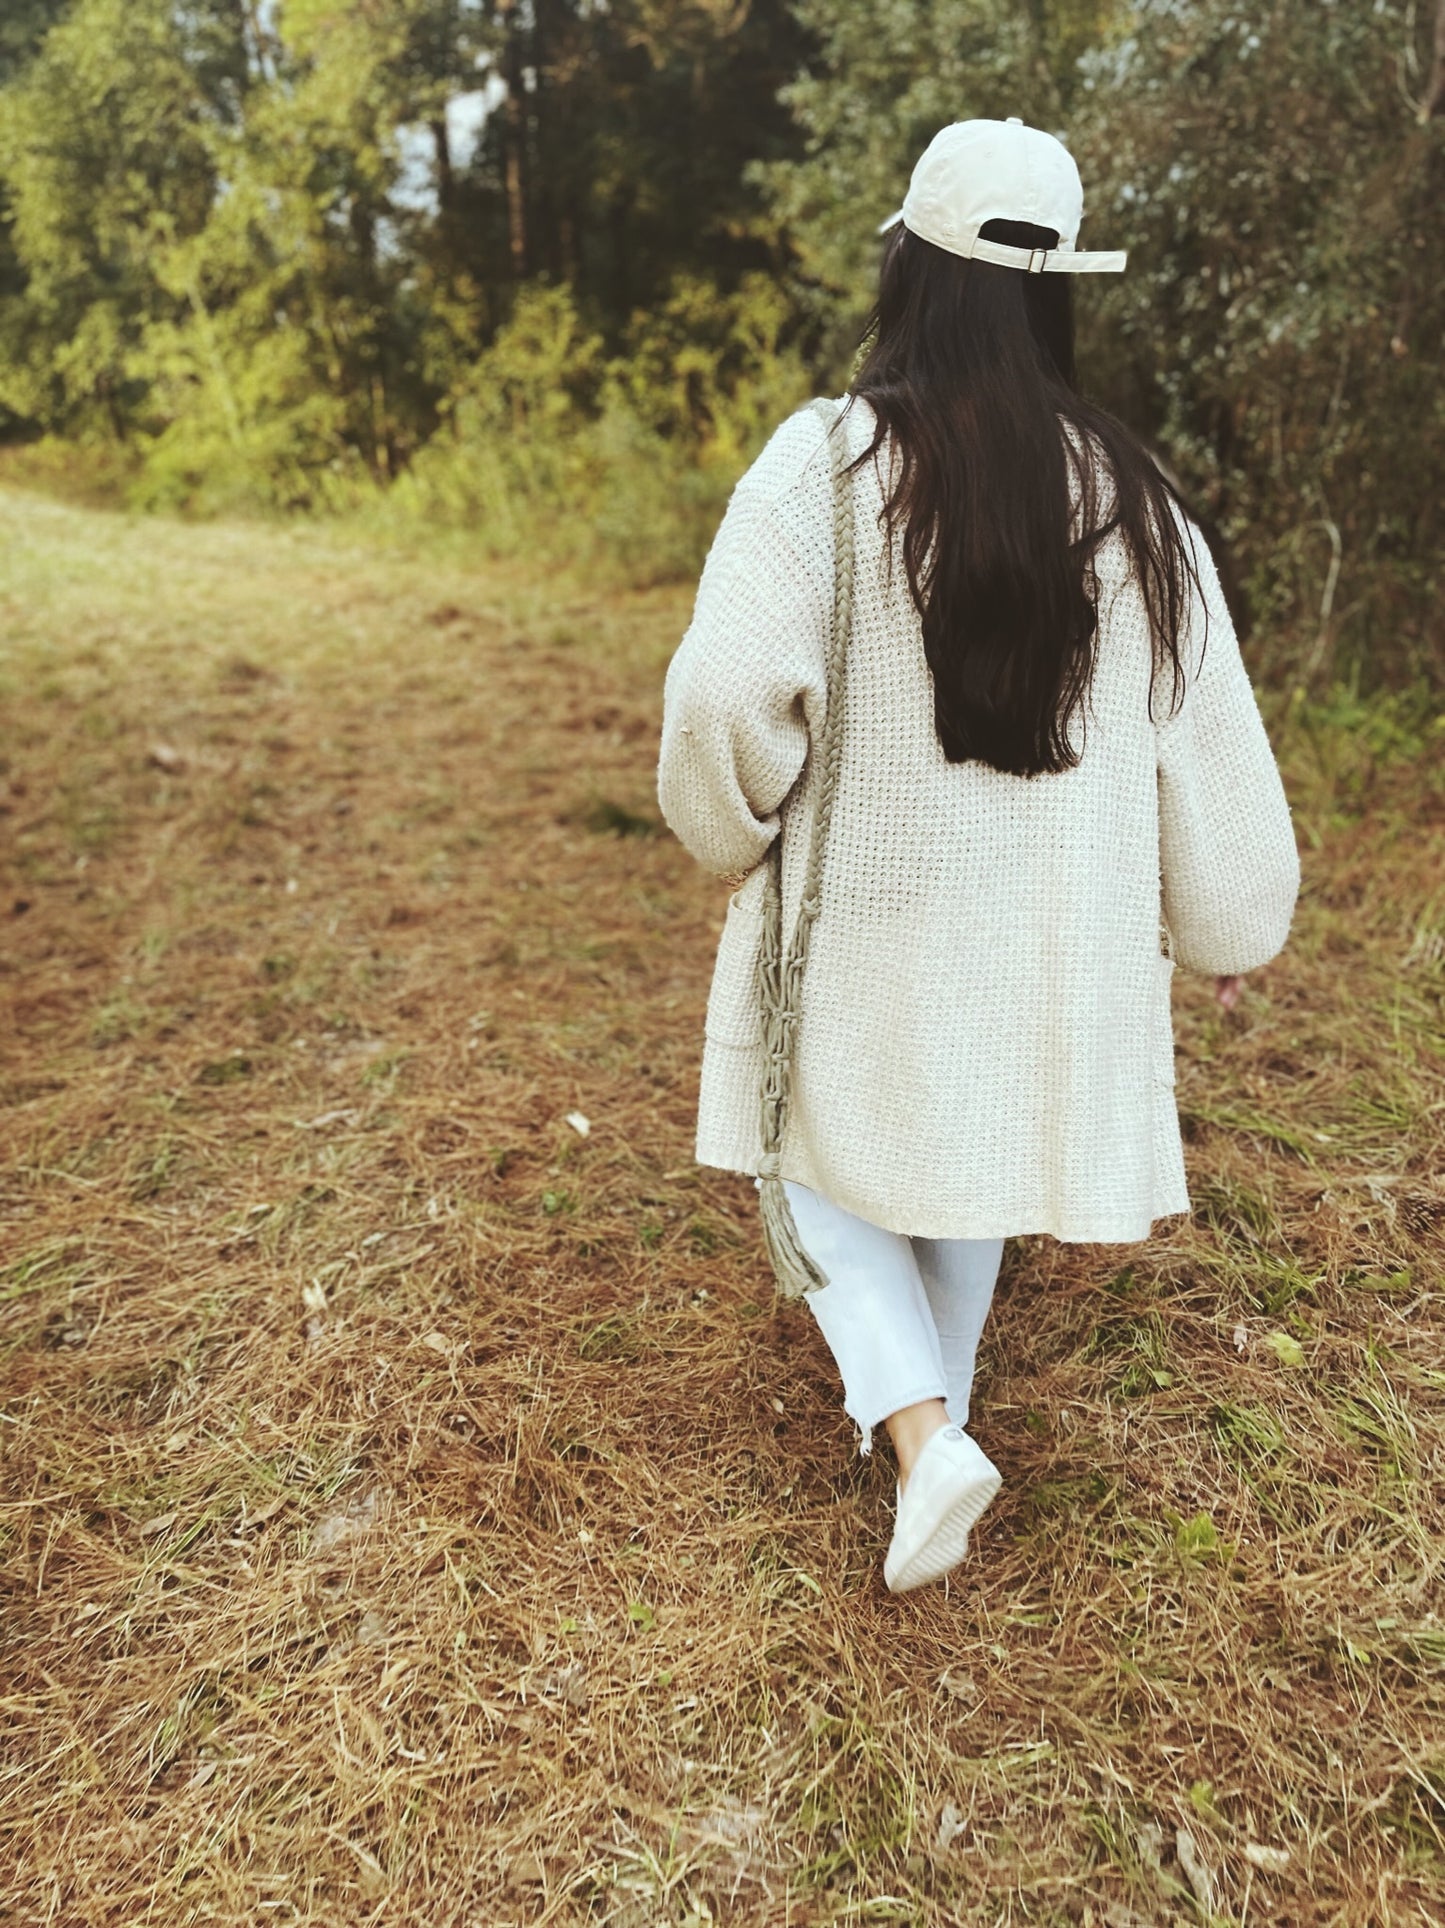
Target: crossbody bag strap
[780,970]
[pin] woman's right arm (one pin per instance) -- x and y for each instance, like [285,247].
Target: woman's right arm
[1228,860]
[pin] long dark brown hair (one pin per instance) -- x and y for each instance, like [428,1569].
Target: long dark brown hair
[1006,482]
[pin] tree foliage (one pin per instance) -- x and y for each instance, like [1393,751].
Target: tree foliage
[512,260]
[248,241]
[1281,328]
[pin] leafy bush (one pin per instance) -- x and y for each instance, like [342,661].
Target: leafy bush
[550,446]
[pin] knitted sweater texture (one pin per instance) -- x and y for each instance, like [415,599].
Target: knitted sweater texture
[985,1045]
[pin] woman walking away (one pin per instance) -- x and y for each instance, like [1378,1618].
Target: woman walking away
[962,711]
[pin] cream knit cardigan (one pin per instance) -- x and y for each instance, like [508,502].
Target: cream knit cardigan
[985,1045]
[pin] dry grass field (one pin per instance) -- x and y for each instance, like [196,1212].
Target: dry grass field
[416,1509]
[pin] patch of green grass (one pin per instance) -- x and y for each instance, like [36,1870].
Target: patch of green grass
[1139,1348]
[1391,1284]
[607,818]
[1256,1443]
[1247,1435]
[1374,1419]
[228,1070]
[617,1337]
[62,1260]
[1273,1285]
[119,1018]
[1066,1497]
[382,1072]
[1236,1210]
[1197,1539]
[706,1237]
[1248,1121]
[154,1167]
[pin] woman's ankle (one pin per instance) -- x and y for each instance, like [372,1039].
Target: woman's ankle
[911,1428]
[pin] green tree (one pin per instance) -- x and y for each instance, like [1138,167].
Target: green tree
[1281,326]
[106,154]
[243,239]
[290,362]
[614,157]
[885,79]
[23,27]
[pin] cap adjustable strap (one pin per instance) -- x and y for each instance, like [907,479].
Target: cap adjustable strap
[1031,260]
[1050,260]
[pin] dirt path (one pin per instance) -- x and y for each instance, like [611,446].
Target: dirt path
[414,1506]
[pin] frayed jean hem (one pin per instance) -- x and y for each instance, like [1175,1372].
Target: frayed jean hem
[867,1429]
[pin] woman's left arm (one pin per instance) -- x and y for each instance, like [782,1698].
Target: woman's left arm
[747,685]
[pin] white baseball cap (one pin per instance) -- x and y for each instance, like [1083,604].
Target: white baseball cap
[989,170]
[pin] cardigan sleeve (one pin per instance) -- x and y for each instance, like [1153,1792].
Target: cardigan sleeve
[748,683]
[1228,861]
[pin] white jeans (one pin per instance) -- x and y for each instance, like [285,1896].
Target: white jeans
[902,1316]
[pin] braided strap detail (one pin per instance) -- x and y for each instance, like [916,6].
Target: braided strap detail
[779,971]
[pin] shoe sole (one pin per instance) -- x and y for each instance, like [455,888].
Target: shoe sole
[947,1543]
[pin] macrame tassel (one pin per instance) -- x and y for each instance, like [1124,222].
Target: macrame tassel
[793,1267]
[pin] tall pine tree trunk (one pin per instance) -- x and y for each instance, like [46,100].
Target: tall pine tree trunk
[446,184]
[1434,101]
[514,123]
[544,106]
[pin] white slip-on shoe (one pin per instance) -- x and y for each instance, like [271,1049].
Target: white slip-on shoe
[952,1481]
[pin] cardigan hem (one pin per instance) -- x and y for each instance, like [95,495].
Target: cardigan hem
[1067,1229]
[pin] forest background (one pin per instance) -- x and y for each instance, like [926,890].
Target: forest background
[550,270]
